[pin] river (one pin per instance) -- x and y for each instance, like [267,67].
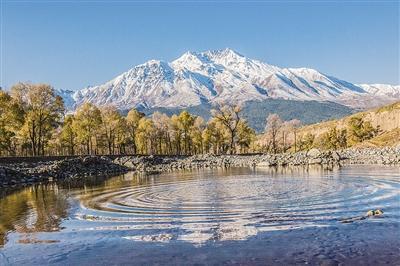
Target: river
[274,216]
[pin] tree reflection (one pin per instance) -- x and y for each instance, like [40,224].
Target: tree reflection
[35,209]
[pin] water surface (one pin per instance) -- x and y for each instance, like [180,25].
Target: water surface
[234,216]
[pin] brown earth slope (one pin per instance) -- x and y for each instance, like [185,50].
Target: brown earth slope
[386,118]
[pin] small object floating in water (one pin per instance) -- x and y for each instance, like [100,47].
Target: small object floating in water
[370,213]
[374,213]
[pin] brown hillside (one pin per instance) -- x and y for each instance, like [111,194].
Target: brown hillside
[386,118]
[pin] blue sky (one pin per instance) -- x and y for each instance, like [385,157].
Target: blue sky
[72,44]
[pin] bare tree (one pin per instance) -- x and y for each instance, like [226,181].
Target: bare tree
[274,124]
[294,126]
[228,116]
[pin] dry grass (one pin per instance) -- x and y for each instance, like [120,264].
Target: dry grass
[390,138]
[382,116]
[389,107]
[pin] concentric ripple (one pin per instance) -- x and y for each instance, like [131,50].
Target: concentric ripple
[236,204]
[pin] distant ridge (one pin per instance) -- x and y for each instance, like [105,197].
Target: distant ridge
[224,75]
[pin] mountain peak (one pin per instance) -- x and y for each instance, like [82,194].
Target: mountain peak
[223,53]
[222,75]
[208,56]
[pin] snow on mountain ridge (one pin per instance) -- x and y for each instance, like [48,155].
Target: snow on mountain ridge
[382,89]
[221,75]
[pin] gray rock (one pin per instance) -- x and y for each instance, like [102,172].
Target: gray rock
[315,161]
[313,153]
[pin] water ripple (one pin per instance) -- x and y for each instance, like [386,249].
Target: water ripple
[216,206]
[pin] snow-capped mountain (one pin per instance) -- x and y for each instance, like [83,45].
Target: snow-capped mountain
[382,90]
[222,75]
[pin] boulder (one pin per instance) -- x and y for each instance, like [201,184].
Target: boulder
[314,153]
[315,161]
[335,156]
[265,164]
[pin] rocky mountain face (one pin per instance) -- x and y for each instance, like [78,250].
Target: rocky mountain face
[224,76]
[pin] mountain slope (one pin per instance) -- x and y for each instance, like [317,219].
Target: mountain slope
[386,118]
[225,75]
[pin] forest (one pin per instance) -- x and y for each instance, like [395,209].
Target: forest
[34,122]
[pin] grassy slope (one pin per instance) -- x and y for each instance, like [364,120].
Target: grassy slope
[387,118]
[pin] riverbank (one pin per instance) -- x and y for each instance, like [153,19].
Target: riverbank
[14,175]
[19,174]
[385,156]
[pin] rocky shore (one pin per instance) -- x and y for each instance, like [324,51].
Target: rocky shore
[156,164]
[23,174]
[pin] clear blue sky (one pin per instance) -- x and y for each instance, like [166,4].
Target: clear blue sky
[72,44]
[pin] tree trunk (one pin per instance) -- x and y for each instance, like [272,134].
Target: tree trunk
[232,146]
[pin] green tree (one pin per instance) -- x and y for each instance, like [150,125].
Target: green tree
[360,130]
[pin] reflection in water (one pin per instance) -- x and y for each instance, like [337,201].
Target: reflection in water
[204,205]
[235,204]
[31,210]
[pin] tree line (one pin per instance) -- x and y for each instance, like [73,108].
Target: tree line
[34,122]
[283,136]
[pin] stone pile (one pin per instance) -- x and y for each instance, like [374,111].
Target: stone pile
[22,174]
[156,164]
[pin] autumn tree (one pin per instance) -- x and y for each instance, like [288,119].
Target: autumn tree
[176,134]
[145,136]
[68,134]
[11,119]
[111,122]
[43,111]
[307,141]
[333,139]
[229,117]
[185,123]
[122,138]
[214,137]
[162,131]
[132,123]
[86,125]
[294,125]
[246,136]
[196,135]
